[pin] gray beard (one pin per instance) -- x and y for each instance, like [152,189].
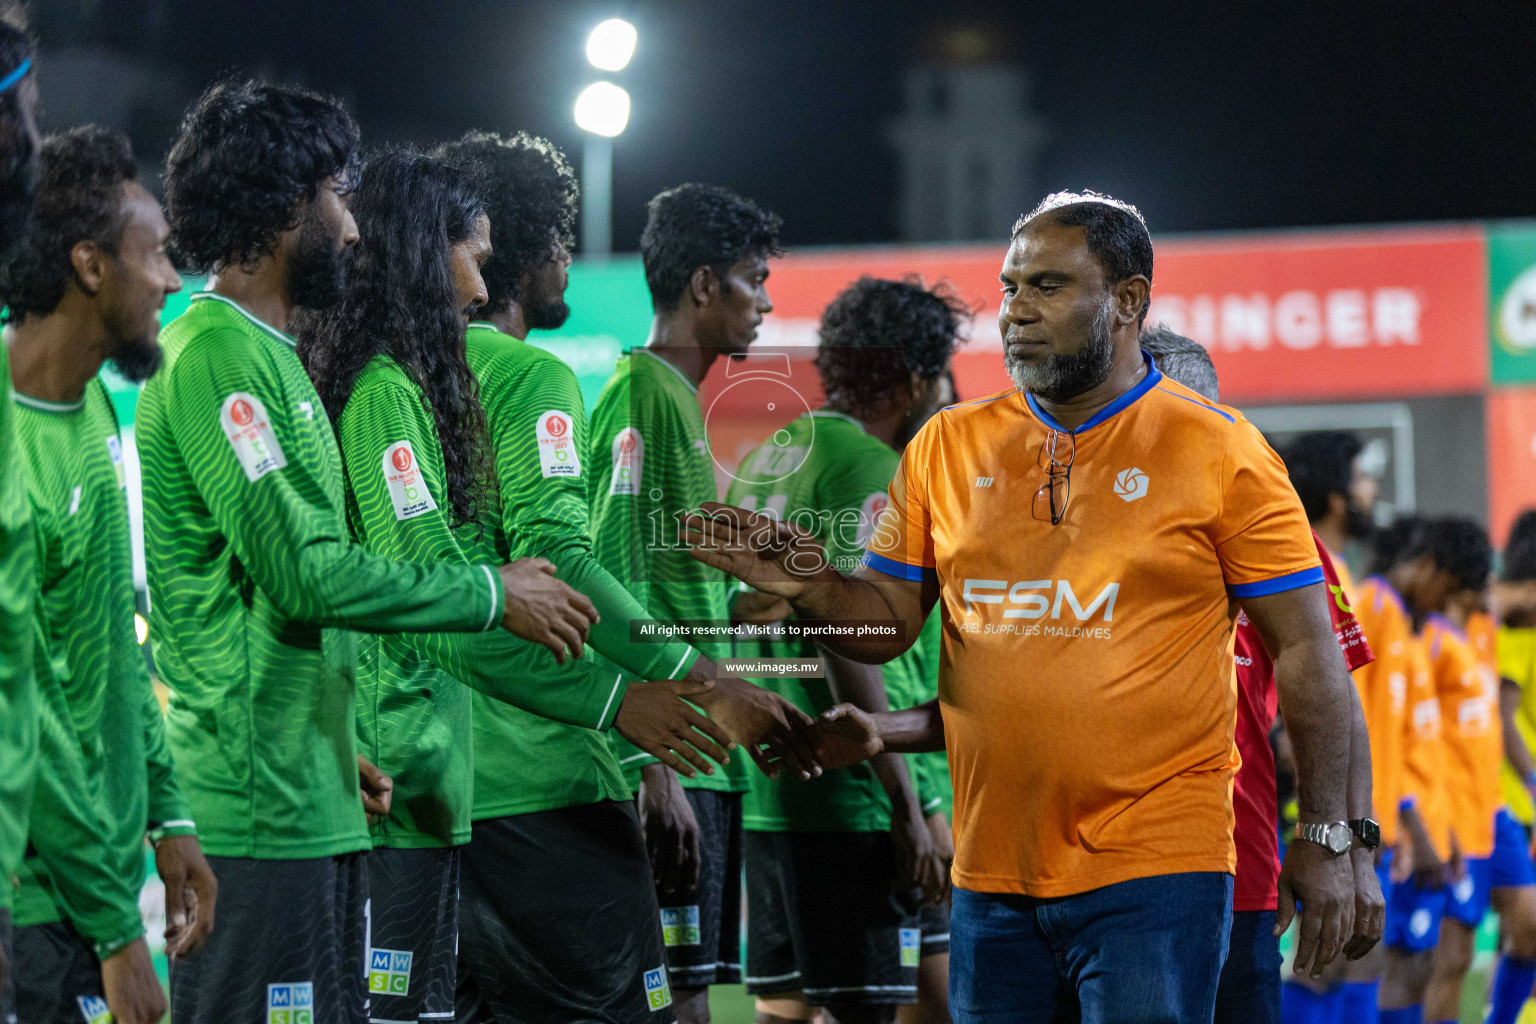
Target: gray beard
[1059,378]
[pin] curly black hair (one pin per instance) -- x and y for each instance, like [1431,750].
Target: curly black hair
[693,226]
[531,196]
[79,197]
[18,136]
[249,156]
[400,302]
[1519,560]
[1457,546]
[876,333]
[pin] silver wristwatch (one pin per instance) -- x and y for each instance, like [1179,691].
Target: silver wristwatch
[1335,836]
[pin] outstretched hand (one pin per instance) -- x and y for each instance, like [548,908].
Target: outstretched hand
[655,718]
[777,735]
[772,556]
[847,735]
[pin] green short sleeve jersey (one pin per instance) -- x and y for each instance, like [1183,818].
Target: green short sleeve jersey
[826,473]
[74,463]
[415,716]
[913,679]
[18,688]
[254,585]
[649,459]
[538,425]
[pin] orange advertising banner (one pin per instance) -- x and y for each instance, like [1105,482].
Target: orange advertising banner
[1306,315]
[1511,458]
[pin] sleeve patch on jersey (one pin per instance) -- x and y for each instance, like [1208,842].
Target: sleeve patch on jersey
[245,423]
[407,489]
[557,445]
[869,514]
[628,461]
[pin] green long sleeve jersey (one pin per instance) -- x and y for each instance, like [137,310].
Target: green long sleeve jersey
[538,427]
[18,688]
[255,586]
[648,460]
[415,715]
[74,469]
[826,473]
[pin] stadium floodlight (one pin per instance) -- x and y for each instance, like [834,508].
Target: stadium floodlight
[602,109]
[612,44]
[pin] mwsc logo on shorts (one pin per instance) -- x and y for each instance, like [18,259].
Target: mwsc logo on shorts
[93,1009]
[658,993]
[291,1003]
[389,971]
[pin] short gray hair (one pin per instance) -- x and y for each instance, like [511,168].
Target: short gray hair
[1181,359]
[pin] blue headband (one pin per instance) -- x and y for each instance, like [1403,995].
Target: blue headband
[15,76]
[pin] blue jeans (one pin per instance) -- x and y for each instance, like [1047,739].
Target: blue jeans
[1249,992]
[1147,951]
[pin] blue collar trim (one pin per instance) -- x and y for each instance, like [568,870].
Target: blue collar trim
[16,75]
[1120,404]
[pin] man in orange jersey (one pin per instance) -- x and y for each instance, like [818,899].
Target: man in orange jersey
[1092,533]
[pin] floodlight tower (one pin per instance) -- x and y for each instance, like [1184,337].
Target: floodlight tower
[602,111]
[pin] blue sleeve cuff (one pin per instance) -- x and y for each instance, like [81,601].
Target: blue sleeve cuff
[901,570]
[1280,584]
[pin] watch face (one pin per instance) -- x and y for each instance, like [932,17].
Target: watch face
[1370,834]
[1340,838]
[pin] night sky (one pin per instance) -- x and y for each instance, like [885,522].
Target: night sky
[1298,115]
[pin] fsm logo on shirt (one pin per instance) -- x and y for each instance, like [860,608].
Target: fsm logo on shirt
[1131,484]
[402,475]
[291,1003]
[557,445]
[94,1009]
[658,993]
[680,926]
[389,971]
[1033,599]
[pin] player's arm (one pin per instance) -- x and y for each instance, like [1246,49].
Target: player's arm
[1370,905]
[66,829]
[285,530]
[1316,698]
[377,422]
[863,687]
[191,890]
[544,512]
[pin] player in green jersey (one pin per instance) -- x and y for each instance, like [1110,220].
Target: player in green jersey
[254,582]
[835,866]
[538,429]
[89,288]
[389,363]
[706,253]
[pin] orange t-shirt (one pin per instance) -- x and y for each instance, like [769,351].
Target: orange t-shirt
[1086,677]
[1474,742]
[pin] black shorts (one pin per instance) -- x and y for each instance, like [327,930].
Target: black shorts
[702,928]
[558,921]
[7,979]
[933,919]
[822,919]
[413,931]
[289,947]
[58,978]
